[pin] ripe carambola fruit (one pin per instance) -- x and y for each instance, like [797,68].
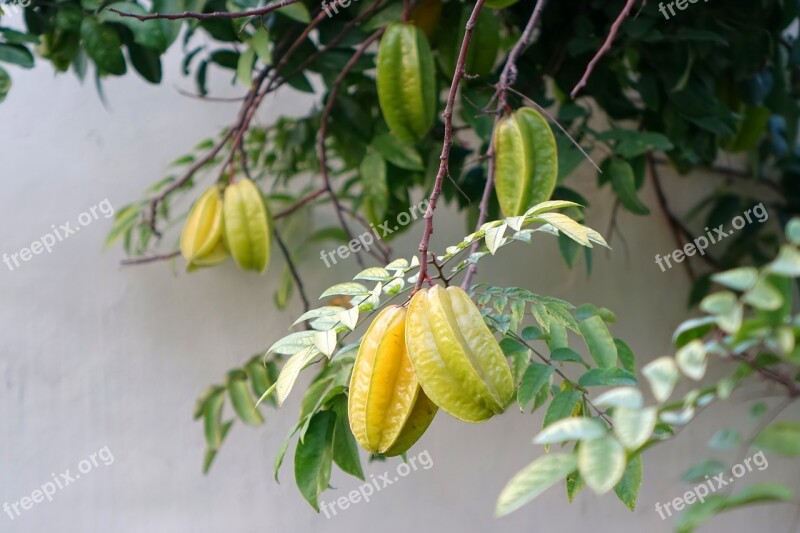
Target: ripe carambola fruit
[483,47]
[387,409]
[458,362]
[201,237]
[247,232]
[406,82]
[526,161]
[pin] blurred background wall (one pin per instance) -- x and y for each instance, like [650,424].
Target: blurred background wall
[93,355]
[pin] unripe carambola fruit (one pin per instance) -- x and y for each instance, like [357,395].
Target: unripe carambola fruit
[201,237]
[247,232]
[406,82]
[458,362]
[388,410]
[483,47]
[526,161]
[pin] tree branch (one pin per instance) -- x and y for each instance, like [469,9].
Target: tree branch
[292,270]
[612,34]
[208,16]
[445,156]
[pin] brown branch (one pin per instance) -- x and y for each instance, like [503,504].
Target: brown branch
[612,34]
[507,78]
[300,203]
[293,270]
[208,16]
[445,156]
[150,259]
[678,228]
[323,131]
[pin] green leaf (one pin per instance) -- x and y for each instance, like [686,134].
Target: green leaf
[787,263]
[699,471]
[259,376]
[146,62]
[695,328]
[572,428]
[574,485]
[291,370]
[297,11]
[314,457]
[212,419]
[763,296]
[148,33]
[725,439]
[566,355]
[124,220]
[533,480]
[700,512]
[104,47]
[376,189]
[242,400]
[5,84]
[562,406]
[691,360]
[349,288]
[739,279]
[634,426]
[292,343]
[725,307]
[398,153]
[625,355]
[606,377]
[244,67]
[627,397]
[284,447]
[534,378]
[793,231]
[662,374]
[16,55]
[345,448]
[211,453]
[599,341]
[601,462]
[782,438]
[627,490]
[624,184]
[634,143]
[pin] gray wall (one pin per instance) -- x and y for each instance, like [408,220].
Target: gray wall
[95,356]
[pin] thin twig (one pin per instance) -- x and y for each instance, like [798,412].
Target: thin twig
[300,203]
[678,228]
[612,34]
[150,259]
[208,16]
[445,156]
[292,270]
